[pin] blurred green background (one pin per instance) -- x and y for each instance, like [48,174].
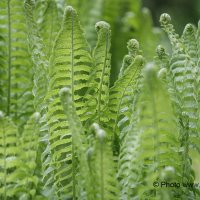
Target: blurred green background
[181,11]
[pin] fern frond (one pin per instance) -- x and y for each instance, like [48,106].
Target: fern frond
[39,58]
[176,42]
[189,40]
[9,158]
[16,81]
[74,54]
[102,167]
[99,77]
[163,61]
[198,37]
[79,161]
[183,73]
[122,92]
[130,72]
[49,26]
[29,144]
[162,57]
[152,139]
[41,65]
[133,51]
[70,67]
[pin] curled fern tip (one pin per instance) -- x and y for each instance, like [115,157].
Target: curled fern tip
[133,44]
[102,25]
[165,18]
[69,10]
[139,59]
[189,28]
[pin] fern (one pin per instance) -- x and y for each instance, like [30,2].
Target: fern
[41,65]
[9,158]
[99,76]
[197,37]
[189,39]
[149,142]
[49,26]
[70,66]
[101,166]
[79,162]
[182,68]
[121,93]
[70,130]
[15,64]
[29,144]
[102,61]
[39,58]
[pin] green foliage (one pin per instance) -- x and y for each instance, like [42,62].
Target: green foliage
[151,146]
[101,72]
[16,67]
[184,73]
[9,157]
[67,131]
[29,170]
[102,166]
[126,19]
[38,56]
[49,26]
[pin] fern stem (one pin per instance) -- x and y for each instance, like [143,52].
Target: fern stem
[4,164]
[72,89]
[51,33]
[72,58]
[9,58]
[155,124]
[102,170]
[73,174]
[102,75]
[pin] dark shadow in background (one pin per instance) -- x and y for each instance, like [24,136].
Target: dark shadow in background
[181,11]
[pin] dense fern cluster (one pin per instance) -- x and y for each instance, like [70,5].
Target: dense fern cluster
[65,133]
